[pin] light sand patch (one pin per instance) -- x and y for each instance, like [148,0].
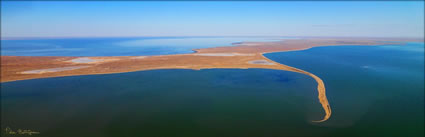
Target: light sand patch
[261,62]
[84,60]
[41,71]
[223,54]
[91,60]
[138,57]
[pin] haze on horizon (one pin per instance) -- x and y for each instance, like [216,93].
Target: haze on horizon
[186,18]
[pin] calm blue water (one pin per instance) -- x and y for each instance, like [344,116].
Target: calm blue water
[118,46]
[373,91]
[212,102]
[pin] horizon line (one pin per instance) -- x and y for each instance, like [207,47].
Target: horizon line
[76,37]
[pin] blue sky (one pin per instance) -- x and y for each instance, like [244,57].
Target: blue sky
[231,18]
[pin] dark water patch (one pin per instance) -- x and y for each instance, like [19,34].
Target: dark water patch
[212,102]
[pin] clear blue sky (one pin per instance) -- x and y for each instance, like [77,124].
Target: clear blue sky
[132,18]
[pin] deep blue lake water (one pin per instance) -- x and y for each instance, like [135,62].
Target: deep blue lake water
[212,102]
[373,91]
[119,46]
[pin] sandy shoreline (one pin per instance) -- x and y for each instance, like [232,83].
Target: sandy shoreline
[239,57]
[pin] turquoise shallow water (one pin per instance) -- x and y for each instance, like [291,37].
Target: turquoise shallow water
[373,91]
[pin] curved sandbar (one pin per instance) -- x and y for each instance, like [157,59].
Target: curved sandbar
[219,57]
[320,88]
